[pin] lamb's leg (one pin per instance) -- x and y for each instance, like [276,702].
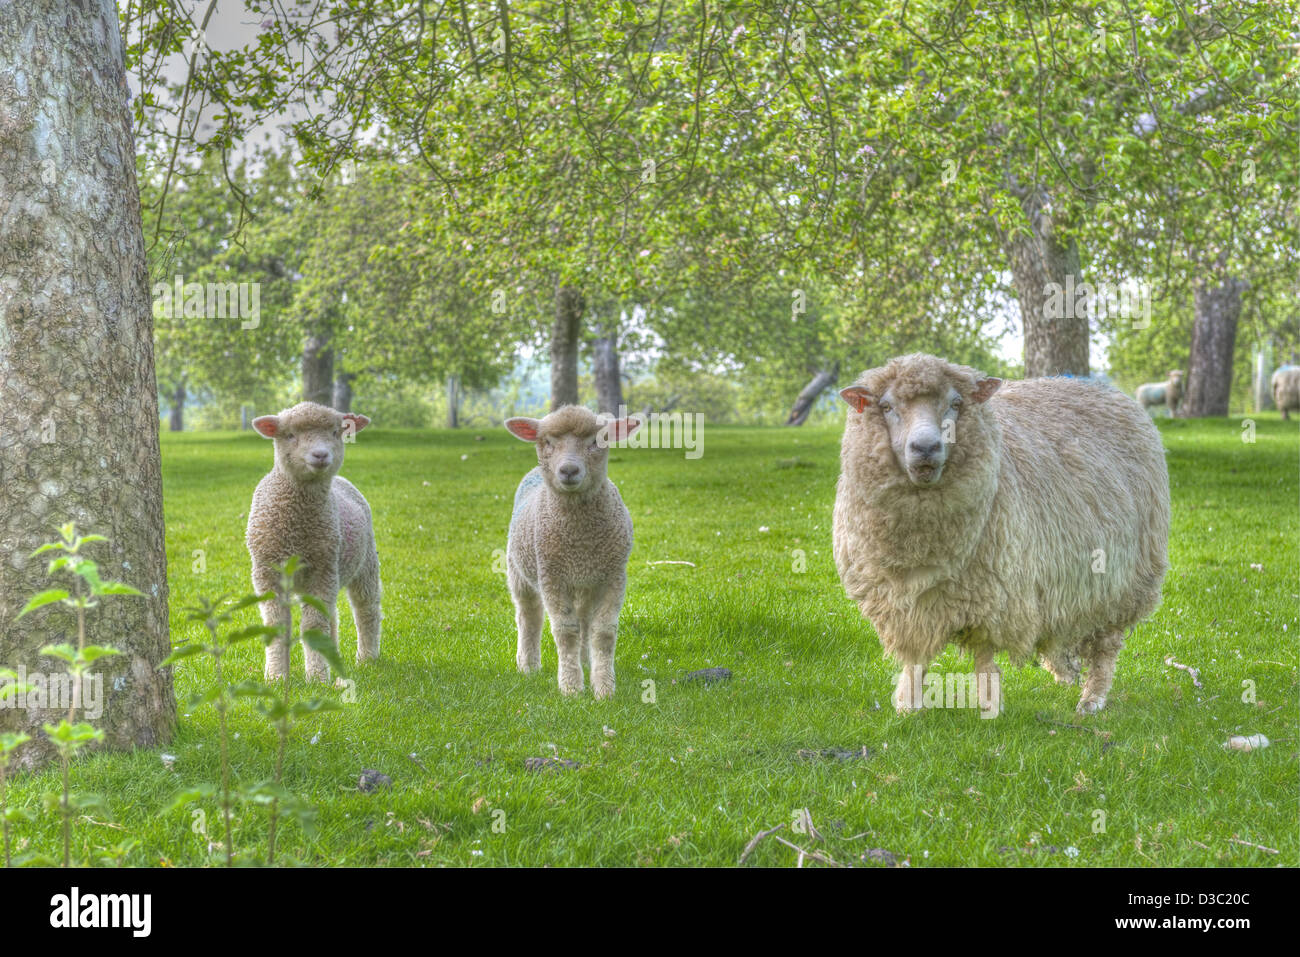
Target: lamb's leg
[567,631]
[1100,652]
[318,668]
[273,616]
[1061,664]
[528,623]
[908,694]
[364,597]
[988,682]
[603,636]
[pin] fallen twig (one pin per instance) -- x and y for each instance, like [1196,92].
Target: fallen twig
[667,562]
[1196,675]
[1258,847]
[753,842]
[813,854]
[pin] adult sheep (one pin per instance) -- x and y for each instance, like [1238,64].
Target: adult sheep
[1030,518]
[1168,393]
[1286,390]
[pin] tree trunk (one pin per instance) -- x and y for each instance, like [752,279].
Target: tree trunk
[1052,309]
[79,400]
[1214,335]
[609,381]
[564,346]
[178,408]
[318,369]
[803,405]
[453,402]
[343,392]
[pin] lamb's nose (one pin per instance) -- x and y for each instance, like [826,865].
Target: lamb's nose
[319,457]
[569,473]
[925,449]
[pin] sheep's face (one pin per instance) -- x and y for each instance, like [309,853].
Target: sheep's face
[309,439]
[920,412]
[572,445]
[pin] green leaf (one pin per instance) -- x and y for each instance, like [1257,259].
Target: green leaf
[43,599]
[181,653]
[95,652]
[64,652]
[189,795]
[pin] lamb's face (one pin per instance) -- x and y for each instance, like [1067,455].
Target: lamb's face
[918,401]
[309,439]
[572,446]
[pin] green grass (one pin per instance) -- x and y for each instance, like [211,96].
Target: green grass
[690,778]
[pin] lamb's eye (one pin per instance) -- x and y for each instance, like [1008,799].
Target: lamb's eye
[956,404]
[886,407]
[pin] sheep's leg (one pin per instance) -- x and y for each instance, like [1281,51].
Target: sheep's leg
[273,616]
[1062,665]
[1101,653]
[318,668]
[363,595]
[603,636]
[908,694]
[528,623]
[567,631]
[988,682]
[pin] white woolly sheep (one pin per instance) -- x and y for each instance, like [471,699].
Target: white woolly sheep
[1286,390]
[1168,393]
[303,507]
[570,536]
[1034,521]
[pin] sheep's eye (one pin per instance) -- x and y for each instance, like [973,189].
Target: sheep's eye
[956,403]
[886,407]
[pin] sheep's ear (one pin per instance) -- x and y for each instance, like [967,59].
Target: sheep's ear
[267,425]
[359,422]
[619,429]
[523,428]
[985,388]
[857,397]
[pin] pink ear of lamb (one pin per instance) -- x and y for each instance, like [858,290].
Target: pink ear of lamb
[857,397]
[523,428]
[620,429]
[267,425]
[985,388]
[359,422]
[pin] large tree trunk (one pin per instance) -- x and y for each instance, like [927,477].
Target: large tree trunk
[178,408]
[1214,336]
[609,380]
[803,404]
[78,398]
[343,392]
[453,402]
[569,306]
[318,368]
[1052,310]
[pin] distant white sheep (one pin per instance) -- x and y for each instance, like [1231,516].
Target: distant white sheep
[570,536]
[1168,393]
[303,507]
[1286,390]
[1030,518]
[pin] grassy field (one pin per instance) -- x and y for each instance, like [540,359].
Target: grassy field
[690,777]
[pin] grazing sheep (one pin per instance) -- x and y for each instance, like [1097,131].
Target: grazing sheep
[570,536]
[1033,521]
[1286,390]
[1168,393]
[303,507]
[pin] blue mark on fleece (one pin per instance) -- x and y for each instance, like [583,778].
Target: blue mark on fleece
[527,488]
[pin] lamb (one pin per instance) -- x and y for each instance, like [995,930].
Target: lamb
[1030,518]
[303,507]
[570,537]
[1286,389]
[1168,393]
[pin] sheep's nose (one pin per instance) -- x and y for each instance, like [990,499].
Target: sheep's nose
[569,472]
[319,457]
[925,448]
